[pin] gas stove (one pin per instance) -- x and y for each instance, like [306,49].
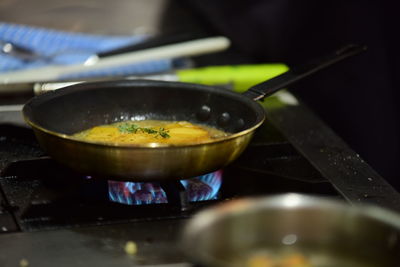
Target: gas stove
[52,216]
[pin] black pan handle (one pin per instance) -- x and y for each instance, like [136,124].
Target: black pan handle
[273,85]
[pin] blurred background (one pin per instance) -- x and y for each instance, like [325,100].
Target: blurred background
[91,16]
[357,99]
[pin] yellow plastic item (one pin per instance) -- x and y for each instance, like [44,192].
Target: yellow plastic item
[241,77]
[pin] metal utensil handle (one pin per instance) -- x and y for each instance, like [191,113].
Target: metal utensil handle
[154,42]
[269,87]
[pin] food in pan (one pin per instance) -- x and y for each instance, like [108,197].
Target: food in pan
[151,131]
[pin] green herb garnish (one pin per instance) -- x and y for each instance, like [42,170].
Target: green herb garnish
[133,128]
[163,133]
[128,128]
[148,130]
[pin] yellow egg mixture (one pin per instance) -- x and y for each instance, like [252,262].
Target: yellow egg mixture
[151,131]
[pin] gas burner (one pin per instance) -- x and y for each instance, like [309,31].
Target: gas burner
[201,188]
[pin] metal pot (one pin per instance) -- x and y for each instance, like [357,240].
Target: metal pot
[325,232]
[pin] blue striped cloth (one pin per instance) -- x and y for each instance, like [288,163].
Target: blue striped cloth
[63,48]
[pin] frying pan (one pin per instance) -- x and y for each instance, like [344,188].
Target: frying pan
[56,115]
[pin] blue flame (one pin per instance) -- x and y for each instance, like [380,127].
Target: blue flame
[201,188]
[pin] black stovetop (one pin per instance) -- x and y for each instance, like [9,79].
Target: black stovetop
[49,214]
[40,194]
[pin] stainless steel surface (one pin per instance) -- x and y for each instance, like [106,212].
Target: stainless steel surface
[225,235]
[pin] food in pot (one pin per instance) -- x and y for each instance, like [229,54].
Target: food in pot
[151,131]
[283,260]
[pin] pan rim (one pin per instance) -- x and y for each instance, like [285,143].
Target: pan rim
[94,85]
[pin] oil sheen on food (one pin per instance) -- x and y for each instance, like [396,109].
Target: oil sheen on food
[150,132]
